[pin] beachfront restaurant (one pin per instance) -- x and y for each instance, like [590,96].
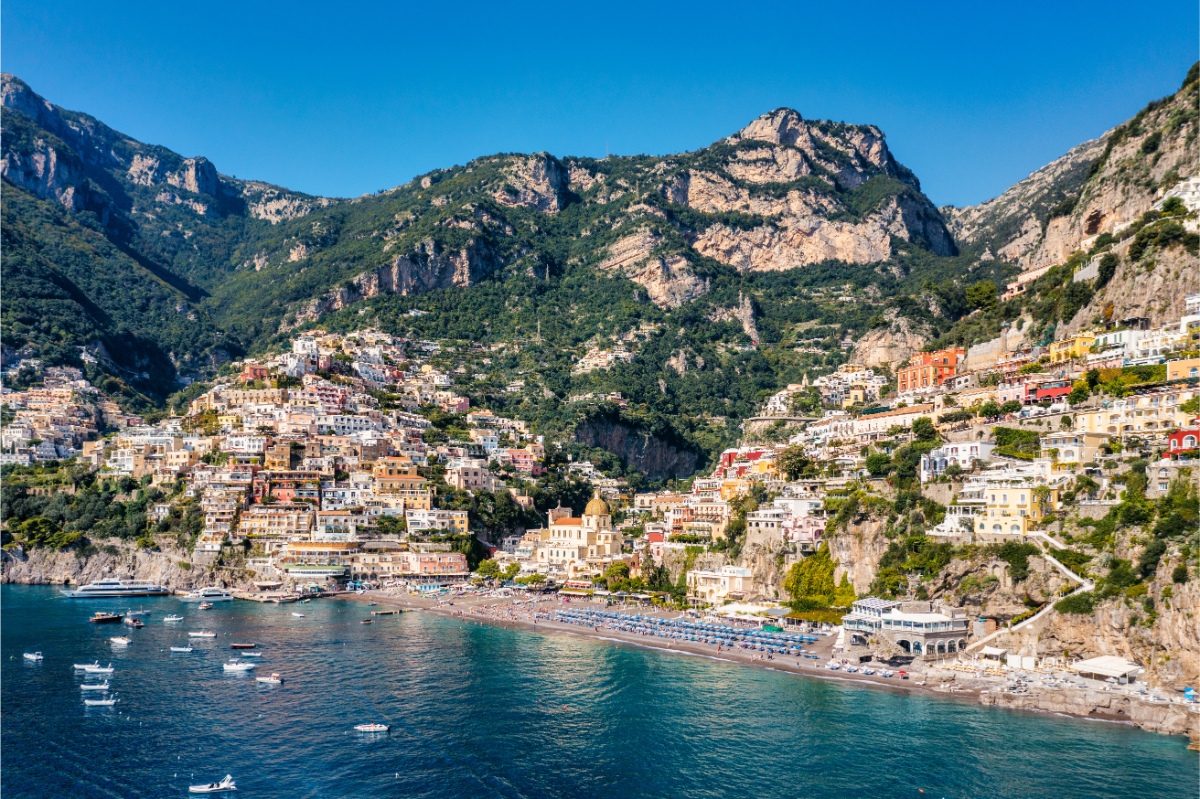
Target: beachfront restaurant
[916,628]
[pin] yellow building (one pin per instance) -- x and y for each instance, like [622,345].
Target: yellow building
[1014,509]
[575,546]
[1183,369]
[1072,348]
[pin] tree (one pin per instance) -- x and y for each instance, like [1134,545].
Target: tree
[923,429]
[878,464]
[989,409]
[510,571]
[793,462]
[488,569]
[1106,270]
[810,581]
[1012,406]
[982,295]
[844,596]
[616,576]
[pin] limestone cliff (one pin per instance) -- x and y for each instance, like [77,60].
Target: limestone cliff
[1099,187]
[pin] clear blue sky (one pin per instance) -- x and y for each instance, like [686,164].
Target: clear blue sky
[346,98]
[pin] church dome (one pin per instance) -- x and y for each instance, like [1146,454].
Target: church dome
[596,506]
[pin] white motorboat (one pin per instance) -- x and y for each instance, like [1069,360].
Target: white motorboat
[201,634]
[238,666]
[252,654]
[99,669]
[205,606]
[210,594]
[119,640]
[111,588]
[298,615]
[172,618]
[100,702]
[227,784]
[85,666]
[181,649]
[99,686]
[33,657]
[274,679]
[371,728]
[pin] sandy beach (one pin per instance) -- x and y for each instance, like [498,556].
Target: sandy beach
[1098,703]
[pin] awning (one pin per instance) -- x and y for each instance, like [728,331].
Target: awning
[1106,666]
[993,652]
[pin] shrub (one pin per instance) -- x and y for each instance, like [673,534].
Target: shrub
[1081,603]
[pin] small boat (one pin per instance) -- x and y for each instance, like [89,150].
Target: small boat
[252,654]
[372,604]
[103,617]
[100,702]
[135,622]
[173,618]
[33,657]
[85,666]
[298,615]
[181,649]
[274,679]
[242,646]
[201,634]
[98,669]
[366,621]
[238,666]
[227,784]
[119,640]
[99,686]
[371,728]
[205,606]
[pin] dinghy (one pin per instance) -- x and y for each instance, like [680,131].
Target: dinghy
[371,728]
[33,657]
[181,649]
[100,702]
[226,784]
[101,686]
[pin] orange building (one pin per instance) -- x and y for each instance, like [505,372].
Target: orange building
[929,369]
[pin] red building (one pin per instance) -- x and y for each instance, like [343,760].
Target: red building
[1184,443]
[929,369]
[1052,390]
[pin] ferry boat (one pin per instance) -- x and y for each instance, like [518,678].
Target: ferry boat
[111,588]
[209,594]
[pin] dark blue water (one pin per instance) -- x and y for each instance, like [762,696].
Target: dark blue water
[483,711]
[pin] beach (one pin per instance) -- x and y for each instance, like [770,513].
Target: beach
[1020,692]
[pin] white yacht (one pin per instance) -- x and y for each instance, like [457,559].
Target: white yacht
[102,589]
[210,594]
[237,666]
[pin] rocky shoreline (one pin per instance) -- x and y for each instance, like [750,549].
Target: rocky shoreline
[174,568]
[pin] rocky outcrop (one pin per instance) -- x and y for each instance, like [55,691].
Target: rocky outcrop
[659,456]
[667,277]
[427,267]
[117,557]
[536,181]
[1167,719]
[857,549]
[891,345]
[1154,287]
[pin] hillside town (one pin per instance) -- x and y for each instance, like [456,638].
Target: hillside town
[351,459]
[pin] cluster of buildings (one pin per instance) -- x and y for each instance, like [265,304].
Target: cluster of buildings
[311,462]
[51,421]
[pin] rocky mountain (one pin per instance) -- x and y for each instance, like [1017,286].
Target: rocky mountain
[785,248]
[1101,186]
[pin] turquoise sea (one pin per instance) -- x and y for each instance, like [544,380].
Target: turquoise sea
[480,711]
